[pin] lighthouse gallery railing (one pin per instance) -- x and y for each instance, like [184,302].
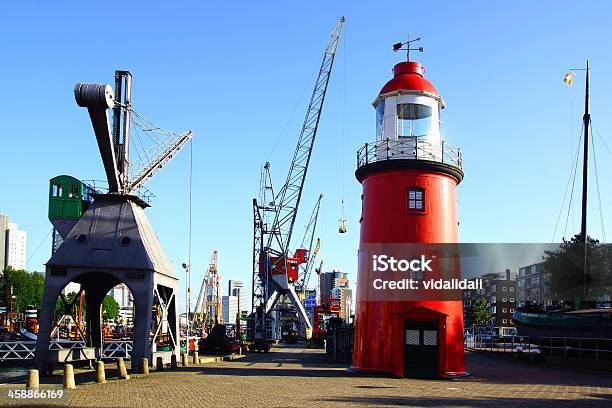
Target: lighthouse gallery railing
[411,148]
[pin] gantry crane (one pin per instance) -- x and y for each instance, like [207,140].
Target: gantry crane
[275,272]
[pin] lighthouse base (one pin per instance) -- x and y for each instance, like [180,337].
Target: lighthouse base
[409,339]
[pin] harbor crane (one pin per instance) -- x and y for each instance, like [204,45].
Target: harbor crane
[308,239]
[208,302]
[112,241]
[275,271]
[114,144]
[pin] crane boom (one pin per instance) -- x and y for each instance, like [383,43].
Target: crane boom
[160,161]
[114,144]
[275,273]
[308,239]
[288,199]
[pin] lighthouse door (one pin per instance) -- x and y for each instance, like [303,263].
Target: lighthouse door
[421,357]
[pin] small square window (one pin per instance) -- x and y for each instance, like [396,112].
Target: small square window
[416,198]
[56,190]
[504,321]
[511,288]
[74,191]
[511,310]
[504,289]
[512,300]
[504,310]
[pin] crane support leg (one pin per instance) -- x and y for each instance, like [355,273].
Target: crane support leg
[299,307]
[271,302]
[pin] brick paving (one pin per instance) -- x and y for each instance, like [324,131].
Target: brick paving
[298,377]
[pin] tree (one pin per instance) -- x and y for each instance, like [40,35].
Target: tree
[60,308]
[479,312]
[110,308]
[565,266]
[27,286]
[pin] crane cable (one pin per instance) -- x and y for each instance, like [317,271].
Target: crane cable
[342,226]
[188,305]
[575,171]
[571,175]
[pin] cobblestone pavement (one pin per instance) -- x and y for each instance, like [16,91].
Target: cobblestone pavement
[297,377]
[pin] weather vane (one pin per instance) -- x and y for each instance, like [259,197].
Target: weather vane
[398,47]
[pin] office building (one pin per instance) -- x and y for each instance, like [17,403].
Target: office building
[15,243]
[236,288]
[229,309]
[344,298]
[499,289]
[328,281]
[533,285]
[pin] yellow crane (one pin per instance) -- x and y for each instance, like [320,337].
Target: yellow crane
[208,302]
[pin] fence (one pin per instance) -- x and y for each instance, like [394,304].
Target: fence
[581,348]
[25,350]
[339,344]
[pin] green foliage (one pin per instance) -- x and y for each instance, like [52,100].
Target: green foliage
[479,312]
[61,309]
[28,288]
[565,267]
[110,308]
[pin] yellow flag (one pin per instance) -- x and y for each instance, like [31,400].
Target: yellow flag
[569,78]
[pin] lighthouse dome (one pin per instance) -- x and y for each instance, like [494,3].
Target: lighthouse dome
[409,77]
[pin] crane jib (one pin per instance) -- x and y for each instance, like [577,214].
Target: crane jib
[289,197]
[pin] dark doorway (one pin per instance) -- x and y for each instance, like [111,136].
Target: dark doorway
[421,352]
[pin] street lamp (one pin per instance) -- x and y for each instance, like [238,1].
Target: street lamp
[187,299]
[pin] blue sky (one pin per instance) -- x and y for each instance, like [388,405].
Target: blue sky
[235,72]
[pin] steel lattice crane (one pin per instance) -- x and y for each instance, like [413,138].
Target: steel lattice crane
[308,239]
[207,294]
[274,271]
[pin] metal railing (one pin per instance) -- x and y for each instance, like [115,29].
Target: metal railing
[510,345]
[117,348]
[101,187]
[25,350]
[17,350]
[411,148]
[581,348]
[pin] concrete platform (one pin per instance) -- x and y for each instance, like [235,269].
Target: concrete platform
[299,377]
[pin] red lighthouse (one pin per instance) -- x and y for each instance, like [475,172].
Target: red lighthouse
[409,177]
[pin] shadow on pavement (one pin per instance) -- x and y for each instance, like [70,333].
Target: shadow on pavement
[377,401]
[498,370]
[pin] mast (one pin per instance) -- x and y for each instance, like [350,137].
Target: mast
[585,167]
[586,118]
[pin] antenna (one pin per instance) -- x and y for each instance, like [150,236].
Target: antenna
[398,46]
